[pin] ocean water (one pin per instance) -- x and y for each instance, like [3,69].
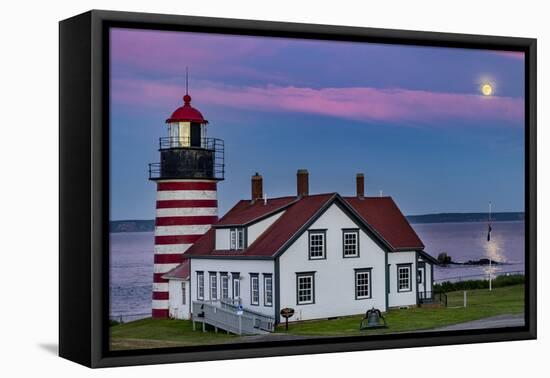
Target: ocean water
[131,273]
[468,241]
[131,269]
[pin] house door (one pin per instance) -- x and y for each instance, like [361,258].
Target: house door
[421,277]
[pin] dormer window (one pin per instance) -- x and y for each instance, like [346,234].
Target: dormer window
[236,236]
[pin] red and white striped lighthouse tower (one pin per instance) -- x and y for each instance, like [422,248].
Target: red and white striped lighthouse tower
[190,167]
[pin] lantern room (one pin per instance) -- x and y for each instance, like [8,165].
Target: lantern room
[186,126]
[186,153]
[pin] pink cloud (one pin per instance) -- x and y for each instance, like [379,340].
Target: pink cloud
[360,103]
[511,54]
[170,53]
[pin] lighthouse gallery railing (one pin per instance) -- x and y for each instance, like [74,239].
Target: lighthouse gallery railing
[210,144]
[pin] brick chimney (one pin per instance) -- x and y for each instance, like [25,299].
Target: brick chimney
[257,187]
[360,182]
[302,183]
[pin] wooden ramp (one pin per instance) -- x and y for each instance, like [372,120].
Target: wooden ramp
[227,316]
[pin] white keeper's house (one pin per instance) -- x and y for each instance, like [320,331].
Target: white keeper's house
[323,255]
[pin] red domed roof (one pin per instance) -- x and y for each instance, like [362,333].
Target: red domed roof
[186,113]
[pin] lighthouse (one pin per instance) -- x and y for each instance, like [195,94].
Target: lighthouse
[190,167]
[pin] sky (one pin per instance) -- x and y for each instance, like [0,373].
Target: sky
[412,119]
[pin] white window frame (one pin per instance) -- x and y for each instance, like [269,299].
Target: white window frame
[405,268]
[224,286]
[254,289]
[346,243]
[359,275]
[236,238]
[299,289]
[174,133]
[213,286]
[236,287]
[233,239]
[200,285]
[314,234]
[268,290]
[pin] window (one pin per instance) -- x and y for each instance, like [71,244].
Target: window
[200,285]
[236,286]
[233,239]
[404,277]
[213,286]
[317,245]
[350,240]
[224,282]
[305,288]
[240,238]
[254,289]
[362,283]
[179,134]
[236,238]
[183,294]
[268,290]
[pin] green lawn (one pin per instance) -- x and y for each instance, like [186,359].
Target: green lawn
[481,304]
[159,333]
[153,333]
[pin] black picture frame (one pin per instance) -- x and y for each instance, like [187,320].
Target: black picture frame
[84,187]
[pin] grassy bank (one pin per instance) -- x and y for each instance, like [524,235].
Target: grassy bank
[150,333]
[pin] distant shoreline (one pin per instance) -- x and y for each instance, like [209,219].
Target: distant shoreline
[148,225]
[466,217]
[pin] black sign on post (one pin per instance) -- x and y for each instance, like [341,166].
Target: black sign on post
[286,313]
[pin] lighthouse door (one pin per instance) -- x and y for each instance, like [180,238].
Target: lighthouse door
[195,134]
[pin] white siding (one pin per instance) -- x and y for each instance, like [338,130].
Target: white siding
[244,268]
[176,308]
[403,298]
[258,228]
[335,275]
[222,238]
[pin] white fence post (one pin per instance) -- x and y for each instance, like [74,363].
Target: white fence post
[240,324]
[465,298]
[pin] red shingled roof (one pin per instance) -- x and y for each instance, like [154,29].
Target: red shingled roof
[381,214]
[181,272]
[245,211]
[274,237]
[294,218]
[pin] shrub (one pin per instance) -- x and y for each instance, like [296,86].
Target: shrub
[113,322]
[443,258]
[499,281]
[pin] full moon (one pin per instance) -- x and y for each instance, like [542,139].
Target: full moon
[486,89]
